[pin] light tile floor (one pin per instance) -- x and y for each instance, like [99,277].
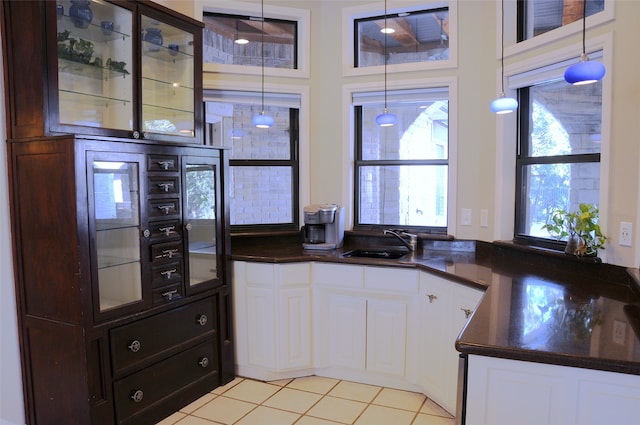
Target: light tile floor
[311,400]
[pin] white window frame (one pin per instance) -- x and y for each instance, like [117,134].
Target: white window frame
[529,71]
[348,149]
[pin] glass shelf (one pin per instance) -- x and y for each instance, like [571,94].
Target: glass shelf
[87,70]
[105,261]
[154,85]
[93,32]
[164,53]
[92,99]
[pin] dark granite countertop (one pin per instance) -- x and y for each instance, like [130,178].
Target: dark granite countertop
[539,306]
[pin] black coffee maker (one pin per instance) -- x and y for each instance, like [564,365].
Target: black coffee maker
[323,226]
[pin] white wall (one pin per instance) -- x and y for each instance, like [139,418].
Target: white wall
[11,402]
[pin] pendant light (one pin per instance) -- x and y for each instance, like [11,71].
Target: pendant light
[585,71]
[503,104]
[262,120]
[385,119]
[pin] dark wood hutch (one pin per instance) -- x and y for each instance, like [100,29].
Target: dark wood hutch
[118,209]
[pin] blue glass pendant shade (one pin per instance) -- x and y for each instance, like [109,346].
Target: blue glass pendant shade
[504,105]
[262,121]
[386,119]
[584,72]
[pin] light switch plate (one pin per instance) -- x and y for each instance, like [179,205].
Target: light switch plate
[465,216]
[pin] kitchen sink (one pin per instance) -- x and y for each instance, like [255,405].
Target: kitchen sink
[384,254]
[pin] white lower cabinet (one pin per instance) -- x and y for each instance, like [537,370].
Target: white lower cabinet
[272,319]
[362,316]
[445,308]
[387,326]
[505,392]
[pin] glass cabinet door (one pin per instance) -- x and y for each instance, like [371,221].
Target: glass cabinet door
[95,64]
[200,215]
[115,210]
[168,105]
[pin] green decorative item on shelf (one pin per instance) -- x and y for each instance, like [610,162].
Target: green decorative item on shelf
[581,228]
[116,66]
[74,49]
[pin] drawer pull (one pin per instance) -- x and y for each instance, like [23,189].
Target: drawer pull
[165,164]
[204,362]
[165,186]
[467,312]
[432,297]
[135,346]
[168,273]
[171,295]
[202,320]
[168,231]
[165,209]
[167,253]
[137,396]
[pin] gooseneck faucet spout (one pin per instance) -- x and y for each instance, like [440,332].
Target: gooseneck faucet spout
[412,243]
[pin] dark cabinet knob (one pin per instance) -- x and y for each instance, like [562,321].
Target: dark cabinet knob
[134,346]
[202,319]
[204,362]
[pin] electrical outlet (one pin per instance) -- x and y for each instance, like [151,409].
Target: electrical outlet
[626,233]
[465,216]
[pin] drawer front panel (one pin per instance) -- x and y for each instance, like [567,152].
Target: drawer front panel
[164,185]
[166,274]
[166,251]
[162,163]
[168,293]
[141,390]
[165,230]
[149,337]
[164,207]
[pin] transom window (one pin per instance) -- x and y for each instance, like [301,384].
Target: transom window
[401,172]
[238,40]
[558,162]
[417,36]
[536,17]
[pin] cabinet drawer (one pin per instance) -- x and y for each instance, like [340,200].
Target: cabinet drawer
[166,274]
[143,389]
[392,279]
[162,163]
[148,338]
[165,230]
[166,251]
[164,184]
[168,293]
[164,207]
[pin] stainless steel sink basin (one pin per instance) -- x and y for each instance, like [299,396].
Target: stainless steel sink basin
[385,254]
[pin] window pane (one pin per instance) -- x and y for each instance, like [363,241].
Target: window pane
[552,186]
[403,195]
[260,195]
[417,37]
[545,15]
[566,119]
[249,142]
[237,40]
[422,132]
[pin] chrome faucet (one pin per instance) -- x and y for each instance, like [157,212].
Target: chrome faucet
[412,243]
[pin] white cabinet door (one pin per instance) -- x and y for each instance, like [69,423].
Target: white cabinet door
[435,311]
[386,336]
[294,328]
[505,392]
[347,331]
[260,327]
[445,310]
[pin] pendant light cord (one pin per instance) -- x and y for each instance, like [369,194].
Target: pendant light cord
[584,26]
[502,49]
[262,51]
[385,56]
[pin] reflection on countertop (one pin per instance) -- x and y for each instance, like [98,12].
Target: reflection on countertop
[545,307]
